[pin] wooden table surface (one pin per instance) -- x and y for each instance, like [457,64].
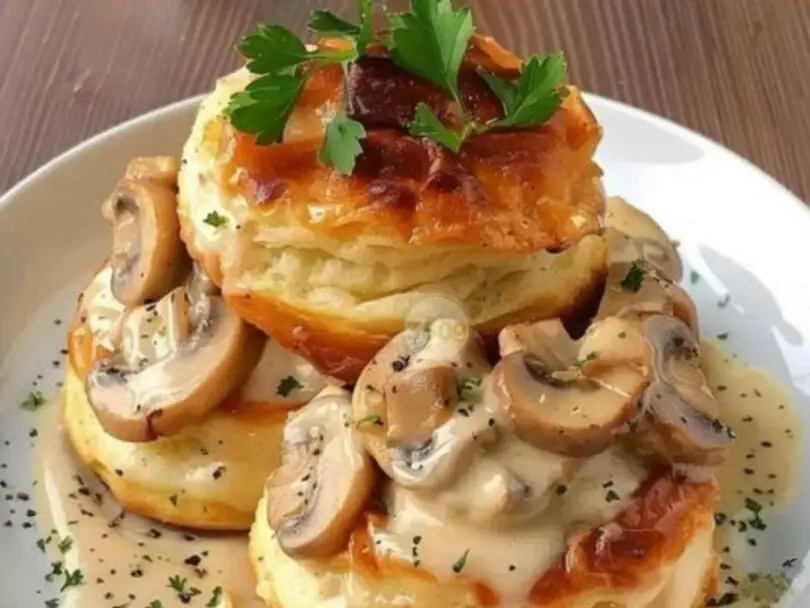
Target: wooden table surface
[735,70]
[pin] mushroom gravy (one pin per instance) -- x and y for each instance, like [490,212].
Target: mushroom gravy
[125,560]
[453,531]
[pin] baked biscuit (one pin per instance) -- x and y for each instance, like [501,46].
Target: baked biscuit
[331,265]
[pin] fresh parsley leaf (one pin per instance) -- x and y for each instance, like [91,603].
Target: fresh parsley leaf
[341,146]
[366,34]
[216,598]
[634,278]
[536,95]
[33,401]
[72,579]
[155,604]
[264,107]
[328,24]
[430,41]
[273,49]
[461,562]
[287,385]
[425,124]
[215,219]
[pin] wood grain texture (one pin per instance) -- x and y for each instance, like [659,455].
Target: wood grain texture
[735,70]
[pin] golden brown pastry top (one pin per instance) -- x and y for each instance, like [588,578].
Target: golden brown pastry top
[509,190]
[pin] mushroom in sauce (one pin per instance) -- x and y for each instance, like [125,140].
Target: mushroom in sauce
[679,419]
[148,258]
[635,290]
[419,392]
[574,406]
[211,352]
[324,481]
[633,234]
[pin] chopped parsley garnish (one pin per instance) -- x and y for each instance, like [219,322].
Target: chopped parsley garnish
[65,544]
[468,388]
[694,277]
[579,363]
[723,336]
[177,583]
[72,579]
[52,603]
[371,419]
[634,278]
[725,301]
[458,566]
[155,604]
[611,496]
[173,499]
[33,401]
[216,598]
[215,219]
[287,385]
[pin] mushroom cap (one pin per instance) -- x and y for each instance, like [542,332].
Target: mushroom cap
[325,479]
[679,421]
[147,400]
[576,408]
[422,377]
[635,290]
[148,257]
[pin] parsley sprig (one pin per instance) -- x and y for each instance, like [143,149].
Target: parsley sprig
[284,64]
[428,40]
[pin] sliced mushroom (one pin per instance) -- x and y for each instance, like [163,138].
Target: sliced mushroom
[162,169]
[140,399]
[636,290]
[679,420]
[579,407]
[418,402]
[549,339]
[324,481]
[148,258]
[633,234]
[413,406]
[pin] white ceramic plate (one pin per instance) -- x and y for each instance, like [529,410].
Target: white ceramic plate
[743,233]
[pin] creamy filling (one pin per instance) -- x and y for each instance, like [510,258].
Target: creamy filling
[511,556]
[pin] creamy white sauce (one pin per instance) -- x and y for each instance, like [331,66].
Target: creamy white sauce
[125,554]
[103,313]
[763,466]
[510,557]
[265,385]
[505,515]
